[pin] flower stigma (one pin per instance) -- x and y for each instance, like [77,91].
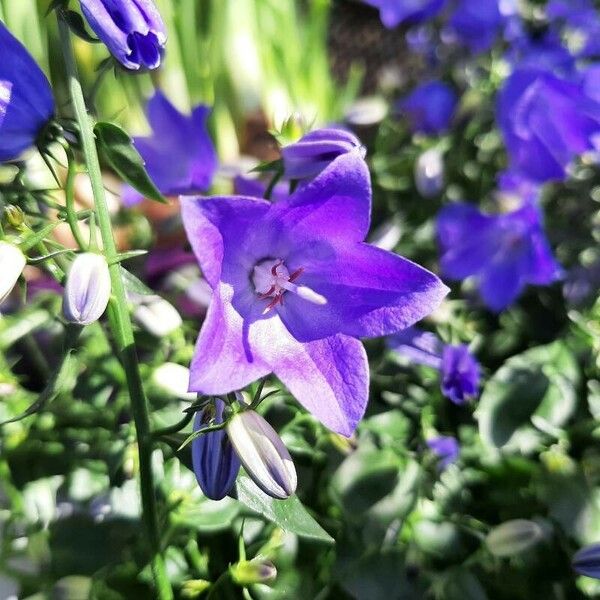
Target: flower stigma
[272,279]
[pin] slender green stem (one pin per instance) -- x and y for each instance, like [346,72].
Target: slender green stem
[119,320]
[71,214]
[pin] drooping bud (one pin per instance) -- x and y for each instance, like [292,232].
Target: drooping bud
[513,537]
[87,290]
[429,173]
[12,263]
[460,374]
[216,465]
[263,454]
[250,572]
[587,561]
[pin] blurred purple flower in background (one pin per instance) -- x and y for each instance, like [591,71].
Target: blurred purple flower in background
[429,108]
[132,30]
[582,23]
[446,448]
[26,103]
[308,156]
[546,123]
[294,286]
[459,369]
[394,12]
[180,155]
[477,24]
[504,252]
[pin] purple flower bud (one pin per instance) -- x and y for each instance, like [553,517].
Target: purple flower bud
[263,454]
[12,263]
[587,561]
[132,30]
[250,572]
[429,173]
[394,12]
[26,102]
[215,463]
[313,152]
[446,448]
[87,290]
[460,374]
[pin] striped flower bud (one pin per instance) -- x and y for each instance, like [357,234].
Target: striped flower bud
[215,463]
[87,290]
[513,537]
[587,561]
[263,454]
[12,263]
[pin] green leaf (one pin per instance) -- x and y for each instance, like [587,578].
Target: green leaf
[120,153]
[77,26]
[134,285]
[289,514]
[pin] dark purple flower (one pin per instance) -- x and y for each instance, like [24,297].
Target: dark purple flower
[294,286]
[505,252]
[132,30]
[477,24]
[314,151]
[215,462]
[546,122]
[26,103]
[544,52]
[446,448]
[180,156]
[582,24]
[587,561]
[429,108]
[460,374]
[394,12]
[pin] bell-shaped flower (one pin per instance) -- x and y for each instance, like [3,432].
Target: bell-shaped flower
[394,12]
[446,448]
[180,156]
[294,286]
[26,103]
[429,108]
[546,123]
[215,463]
[12,263]
[505,252]
[477,24]
[132,30]
[87,290]
[263,454]
[314,151]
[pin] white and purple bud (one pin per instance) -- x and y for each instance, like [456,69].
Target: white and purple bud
[215,463]
[156,315]
[250,572]
[263,454]
[429,173]
[12,263]
[513,537]
[87,290]
[587,561]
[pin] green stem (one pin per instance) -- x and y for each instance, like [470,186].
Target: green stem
[71,214]
[119,319]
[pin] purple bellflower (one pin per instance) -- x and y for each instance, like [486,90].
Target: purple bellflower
[477,24]
[307,157]
[132,30]
[505,252]
[446,448]
[180,156]
[394,12]
[294,286]
[459,369]
[26,103]
[215,462]
[546,122]
[429,108]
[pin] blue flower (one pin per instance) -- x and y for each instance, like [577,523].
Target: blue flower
[26,103]
[180,156]
[477,24]
[546,123]
[446,448]
[582,24]
[429,108]
[394,12]
[587,561]
[132,30]
[505,252]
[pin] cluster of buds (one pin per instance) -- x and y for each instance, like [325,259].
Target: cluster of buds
[246,439]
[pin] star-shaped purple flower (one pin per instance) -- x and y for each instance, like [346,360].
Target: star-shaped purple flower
[180,156]
[294,286]
[505,252]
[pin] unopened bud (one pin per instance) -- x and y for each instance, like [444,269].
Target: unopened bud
[173,379]
[194,588]
[587,561]
[87,290]
[263,454]
[429,173]
[12,263]
[513,537]
[157,316]
[249,572]
[14,216]
[215,463]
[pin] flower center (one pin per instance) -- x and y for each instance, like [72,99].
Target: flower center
[272,279]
